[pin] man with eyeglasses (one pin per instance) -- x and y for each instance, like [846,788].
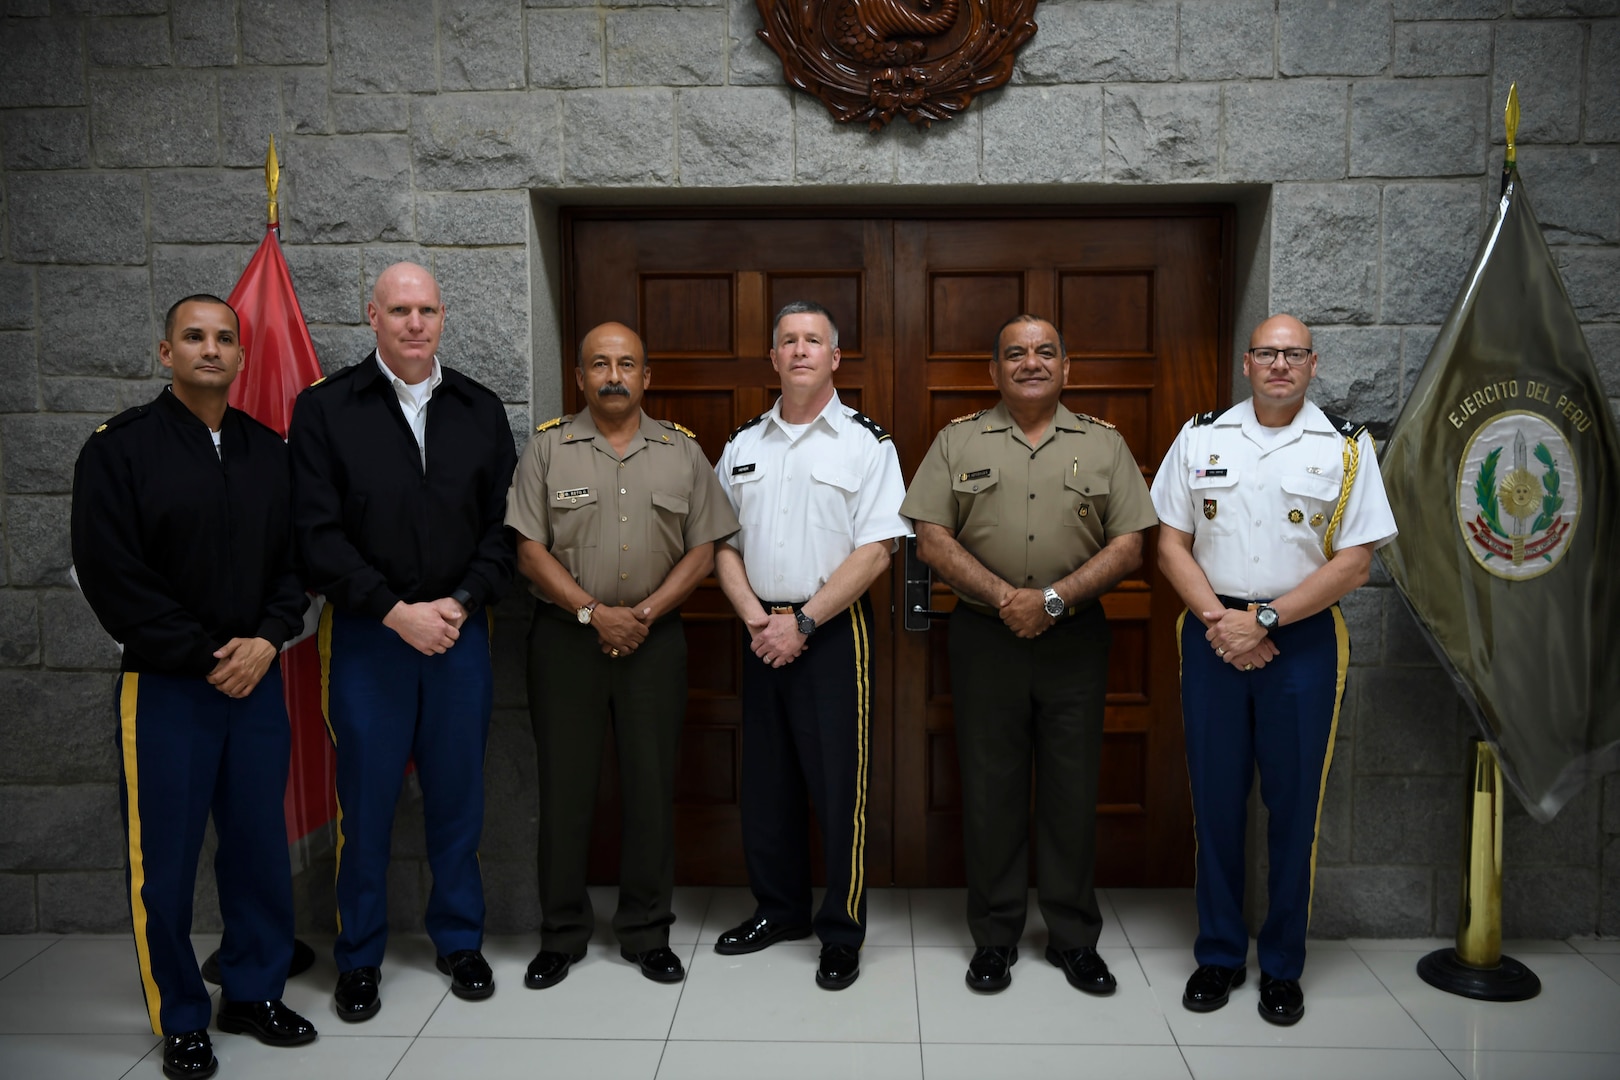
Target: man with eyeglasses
[1269,514]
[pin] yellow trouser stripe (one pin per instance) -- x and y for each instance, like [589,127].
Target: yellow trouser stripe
[137,866]
[1341,633]
[323,644]
[863,707]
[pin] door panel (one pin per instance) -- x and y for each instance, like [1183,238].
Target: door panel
[918,297]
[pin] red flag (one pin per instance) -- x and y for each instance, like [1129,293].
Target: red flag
[280,363]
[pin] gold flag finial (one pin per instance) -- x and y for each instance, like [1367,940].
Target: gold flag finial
[272,177]
[1511,118]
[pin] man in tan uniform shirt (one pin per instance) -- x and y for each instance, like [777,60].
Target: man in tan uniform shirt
[1030,513]
[617,515]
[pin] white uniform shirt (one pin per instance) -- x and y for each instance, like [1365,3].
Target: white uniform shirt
[1258,501]
[806,503]
[413,401]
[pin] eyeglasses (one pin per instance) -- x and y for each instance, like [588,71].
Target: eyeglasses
[1267,357]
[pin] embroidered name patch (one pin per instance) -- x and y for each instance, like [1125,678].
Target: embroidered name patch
[739,470]
[1209,472]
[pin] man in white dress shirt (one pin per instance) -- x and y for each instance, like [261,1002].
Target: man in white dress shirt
[817,487]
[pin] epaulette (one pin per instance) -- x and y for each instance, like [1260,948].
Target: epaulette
[870,425]
[1348,428]
[969,416]
[746,425]
[1099,421]
[549,424]
[1204,419]
[688,432]
[123,418]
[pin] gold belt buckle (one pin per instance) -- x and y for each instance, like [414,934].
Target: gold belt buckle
[782,609]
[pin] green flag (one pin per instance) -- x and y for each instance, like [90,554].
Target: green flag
[1504,475]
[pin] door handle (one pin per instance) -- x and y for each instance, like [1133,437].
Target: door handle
[918,590]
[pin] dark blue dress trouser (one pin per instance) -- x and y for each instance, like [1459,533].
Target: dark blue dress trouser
[1282,717]
[185,750]
[387,704]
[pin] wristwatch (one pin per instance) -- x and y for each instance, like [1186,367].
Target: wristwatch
[584,614]
[1267,617]
[1054,603]
[807,625]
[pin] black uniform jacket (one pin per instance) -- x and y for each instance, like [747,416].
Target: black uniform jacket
[179,547]
[373,528]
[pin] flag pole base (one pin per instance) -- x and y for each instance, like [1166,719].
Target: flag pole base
[1509,980]
[303,958]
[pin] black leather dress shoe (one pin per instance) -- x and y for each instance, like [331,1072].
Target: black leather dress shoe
[659,965]
[189,1056]
[1084,969]
[756,934]
[840,964]
[355,998]
[549,968]
[1210,986]
[990,969]
[470,977]
[271,1022]
[1282,1002]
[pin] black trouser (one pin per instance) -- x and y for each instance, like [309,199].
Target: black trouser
[574,688]
[806,733]
[1018,700]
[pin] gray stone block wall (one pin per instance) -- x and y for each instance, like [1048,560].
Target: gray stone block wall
[1361,141]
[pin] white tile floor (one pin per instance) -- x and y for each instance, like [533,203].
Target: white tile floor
[70,1008]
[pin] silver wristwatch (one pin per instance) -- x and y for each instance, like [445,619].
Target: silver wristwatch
[1054,603]
[1267,617]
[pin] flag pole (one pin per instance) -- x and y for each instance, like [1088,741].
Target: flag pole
[272,181]
[1475,967]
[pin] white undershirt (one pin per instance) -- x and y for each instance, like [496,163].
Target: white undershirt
[413,399]
[218,449]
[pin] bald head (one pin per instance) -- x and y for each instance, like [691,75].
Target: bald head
[407,313]
[1281,332]
[612,339]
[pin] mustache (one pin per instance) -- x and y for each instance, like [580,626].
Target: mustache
[609,389]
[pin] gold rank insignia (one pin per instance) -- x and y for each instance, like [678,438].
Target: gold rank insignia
[1316,519]
[100,429]
[1296,515]
[549,424]
[1209,509]
[1214,459]
[688,432]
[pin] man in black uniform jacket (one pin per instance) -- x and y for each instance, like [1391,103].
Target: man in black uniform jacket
[400,471]
[182,543]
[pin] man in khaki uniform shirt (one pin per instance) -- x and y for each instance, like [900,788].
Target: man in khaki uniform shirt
[1030,513]
[616,515]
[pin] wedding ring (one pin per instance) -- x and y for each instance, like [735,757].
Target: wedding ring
[615,652]
[1220,652]
[1248,667]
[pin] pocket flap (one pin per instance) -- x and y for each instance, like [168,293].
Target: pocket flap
[1311,486]
[840,478]
[974,480]
[1092,484]
[675,504]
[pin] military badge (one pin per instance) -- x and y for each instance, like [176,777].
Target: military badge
[1209,509]
[1296,515]
[1214,459]
[1085,509]
[1316,519]
[1522,511]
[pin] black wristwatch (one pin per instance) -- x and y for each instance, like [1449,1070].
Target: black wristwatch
[464,598]
[1267,617]
[807,625]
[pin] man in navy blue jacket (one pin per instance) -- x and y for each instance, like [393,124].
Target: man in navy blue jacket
[182,543]
[400,471]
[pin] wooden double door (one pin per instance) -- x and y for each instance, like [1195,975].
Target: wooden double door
[1141,298]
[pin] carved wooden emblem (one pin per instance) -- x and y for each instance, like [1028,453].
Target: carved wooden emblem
[872,60]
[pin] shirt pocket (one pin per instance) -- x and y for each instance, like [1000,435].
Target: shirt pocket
[669,523]
[1311,498]
[1086,496]
[978,499]
[748,496]
[1214,499]
[832,498]
[574,513]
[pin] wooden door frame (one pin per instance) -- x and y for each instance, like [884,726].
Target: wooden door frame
[899,866]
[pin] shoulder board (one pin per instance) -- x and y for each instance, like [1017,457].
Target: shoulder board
[673,426]
[746,425]
[870,425]
[1348,428]
[123,418]
[553,422]
[1204,419]
[970,416]
[1099,421]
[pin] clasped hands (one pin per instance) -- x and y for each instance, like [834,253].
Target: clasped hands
[429,627]
[1023,611]
[619,630]
[1238,639]
[775,639]
[242,663]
